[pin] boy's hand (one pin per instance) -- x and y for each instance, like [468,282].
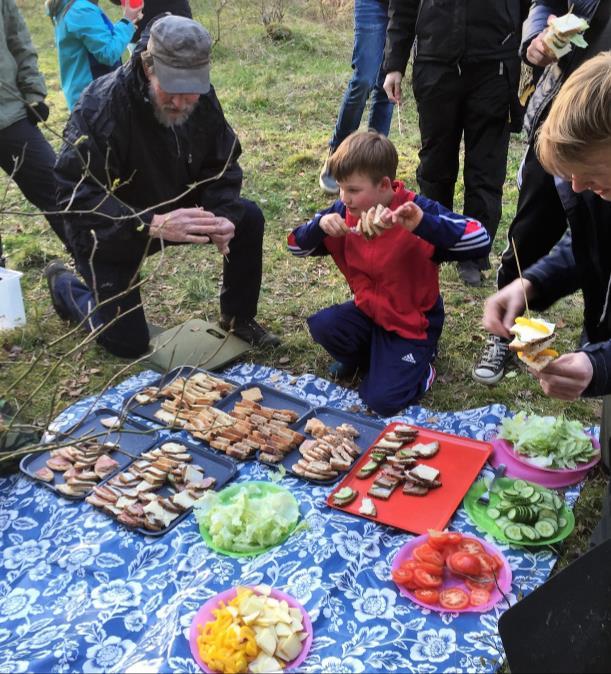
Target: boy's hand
[333,224]
[408,215]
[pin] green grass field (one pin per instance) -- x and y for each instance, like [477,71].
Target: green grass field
[282,98]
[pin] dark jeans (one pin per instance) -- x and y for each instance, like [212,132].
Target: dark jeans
[35,161]
[128,336]
[539,222]
[370,21]
[471,102]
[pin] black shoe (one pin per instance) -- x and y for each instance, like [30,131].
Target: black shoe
[339,370]
[492,363]
[470,273]
[52,272]
[250,331]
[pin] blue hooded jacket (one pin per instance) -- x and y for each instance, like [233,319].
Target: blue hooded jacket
[88,44]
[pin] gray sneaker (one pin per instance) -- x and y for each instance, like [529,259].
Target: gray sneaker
[326,180]
[491,366]
[470,273]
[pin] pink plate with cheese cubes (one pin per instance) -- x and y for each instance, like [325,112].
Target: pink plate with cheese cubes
[206,615]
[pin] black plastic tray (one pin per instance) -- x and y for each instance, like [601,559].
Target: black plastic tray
[272,397]
[369,431]
[220,467]
[134,438]
[148,411]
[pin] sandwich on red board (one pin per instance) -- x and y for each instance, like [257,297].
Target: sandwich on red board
[532,339]
[563,32]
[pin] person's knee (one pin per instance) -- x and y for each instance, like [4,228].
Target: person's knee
[360,87]
[318,327]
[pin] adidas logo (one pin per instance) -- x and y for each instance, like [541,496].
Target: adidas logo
[409,358]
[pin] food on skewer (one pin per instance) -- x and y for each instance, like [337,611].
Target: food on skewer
[532,339]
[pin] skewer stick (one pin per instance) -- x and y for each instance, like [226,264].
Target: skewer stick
[515,252]
[399,118]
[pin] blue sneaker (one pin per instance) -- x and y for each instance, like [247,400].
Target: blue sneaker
[339,370]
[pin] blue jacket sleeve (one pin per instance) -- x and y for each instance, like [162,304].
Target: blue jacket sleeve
[536,21]
[555,275]
[106,43]
[307,239]
[455,237]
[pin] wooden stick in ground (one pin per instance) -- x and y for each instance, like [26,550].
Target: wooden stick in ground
[515,252]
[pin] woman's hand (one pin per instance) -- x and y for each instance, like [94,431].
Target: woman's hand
[502,308]
[567,377]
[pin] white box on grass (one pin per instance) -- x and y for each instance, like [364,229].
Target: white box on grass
[12,311]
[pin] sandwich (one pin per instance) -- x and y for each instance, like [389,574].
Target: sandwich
[563,32]
[532,339]
[370,224]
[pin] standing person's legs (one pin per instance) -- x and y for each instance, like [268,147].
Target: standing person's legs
[438,94]
[539,222]
[242,272]
[26,155]
[120,319]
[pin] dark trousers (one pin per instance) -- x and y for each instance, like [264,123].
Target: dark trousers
[34,174]
[471,102]
[539,222]
[128,336]
[399,370]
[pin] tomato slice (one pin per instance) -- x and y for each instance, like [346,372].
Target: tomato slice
[454,538]
[424,579]
[431,568]
[479,597]
[471,545]
[410,564]
[477,584]
[402,575]
[438,539]
[464,564]
[425,553]
[453,598]
[427,596]
[488,563]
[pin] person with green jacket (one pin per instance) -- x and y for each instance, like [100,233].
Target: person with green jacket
[25,154]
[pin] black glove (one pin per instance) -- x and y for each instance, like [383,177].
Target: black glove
[37,112]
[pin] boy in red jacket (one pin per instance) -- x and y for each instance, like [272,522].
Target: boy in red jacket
[391,328]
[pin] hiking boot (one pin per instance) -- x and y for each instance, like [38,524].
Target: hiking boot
[52,272]
[494,358]
[339,370]
[470,273]
[250,331]
[326,180]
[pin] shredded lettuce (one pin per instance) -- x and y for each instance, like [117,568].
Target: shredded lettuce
[251,519]
[548,442]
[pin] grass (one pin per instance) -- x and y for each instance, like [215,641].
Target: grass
[282,98]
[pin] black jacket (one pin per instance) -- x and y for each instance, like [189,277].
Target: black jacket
[598,38]
[453,31]
[145,164]
[582,260]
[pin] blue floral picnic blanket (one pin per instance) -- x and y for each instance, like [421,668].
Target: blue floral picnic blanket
[79,593]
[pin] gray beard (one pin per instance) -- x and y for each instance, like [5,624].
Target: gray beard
[163,118]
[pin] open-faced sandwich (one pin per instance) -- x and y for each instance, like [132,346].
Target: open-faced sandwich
[564,31]
[532,339]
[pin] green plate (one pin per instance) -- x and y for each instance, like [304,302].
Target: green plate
[264,488]
[477,512]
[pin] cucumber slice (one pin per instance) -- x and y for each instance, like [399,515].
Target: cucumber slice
[562,522]
[527,492]
[557,501]
[518,485]
[553,523]
[512,514]
[544,529]
[513,532]
[535,498]
[547,513]
[493,513]
[529,533]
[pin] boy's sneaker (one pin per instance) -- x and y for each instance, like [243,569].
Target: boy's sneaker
[339,370]
[326,180]
[52,272]
[470,273]
[494,358]
[250,331]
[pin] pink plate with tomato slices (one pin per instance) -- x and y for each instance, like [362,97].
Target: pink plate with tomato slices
[519,466]
[451,580]
[204,615]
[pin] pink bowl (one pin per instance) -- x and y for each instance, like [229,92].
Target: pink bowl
[553,478]
[205,615]
[450,580]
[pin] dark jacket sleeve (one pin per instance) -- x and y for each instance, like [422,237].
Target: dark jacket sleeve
[555,275]
[600,357]
[536,21]
[400,34]
[86,162]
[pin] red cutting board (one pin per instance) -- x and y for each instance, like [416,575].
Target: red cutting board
[459,461]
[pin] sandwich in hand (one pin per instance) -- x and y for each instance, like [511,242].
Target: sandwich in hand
[562,32]
[532,339]
[370,224]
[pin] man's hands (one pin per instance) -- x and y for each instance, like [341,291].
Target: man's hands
[408,215]
[501,309]
[537,53]
[392,86]
[567,377]
[334,225]
[193,225]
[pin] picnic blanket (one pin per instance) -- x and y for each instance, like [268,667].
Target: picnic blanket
[80,593]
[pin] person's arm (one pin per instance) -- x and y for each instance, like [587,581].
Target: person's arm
[600,358]
[400,34]
[30,82]
[104,42]
[308,239]
[454,236]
